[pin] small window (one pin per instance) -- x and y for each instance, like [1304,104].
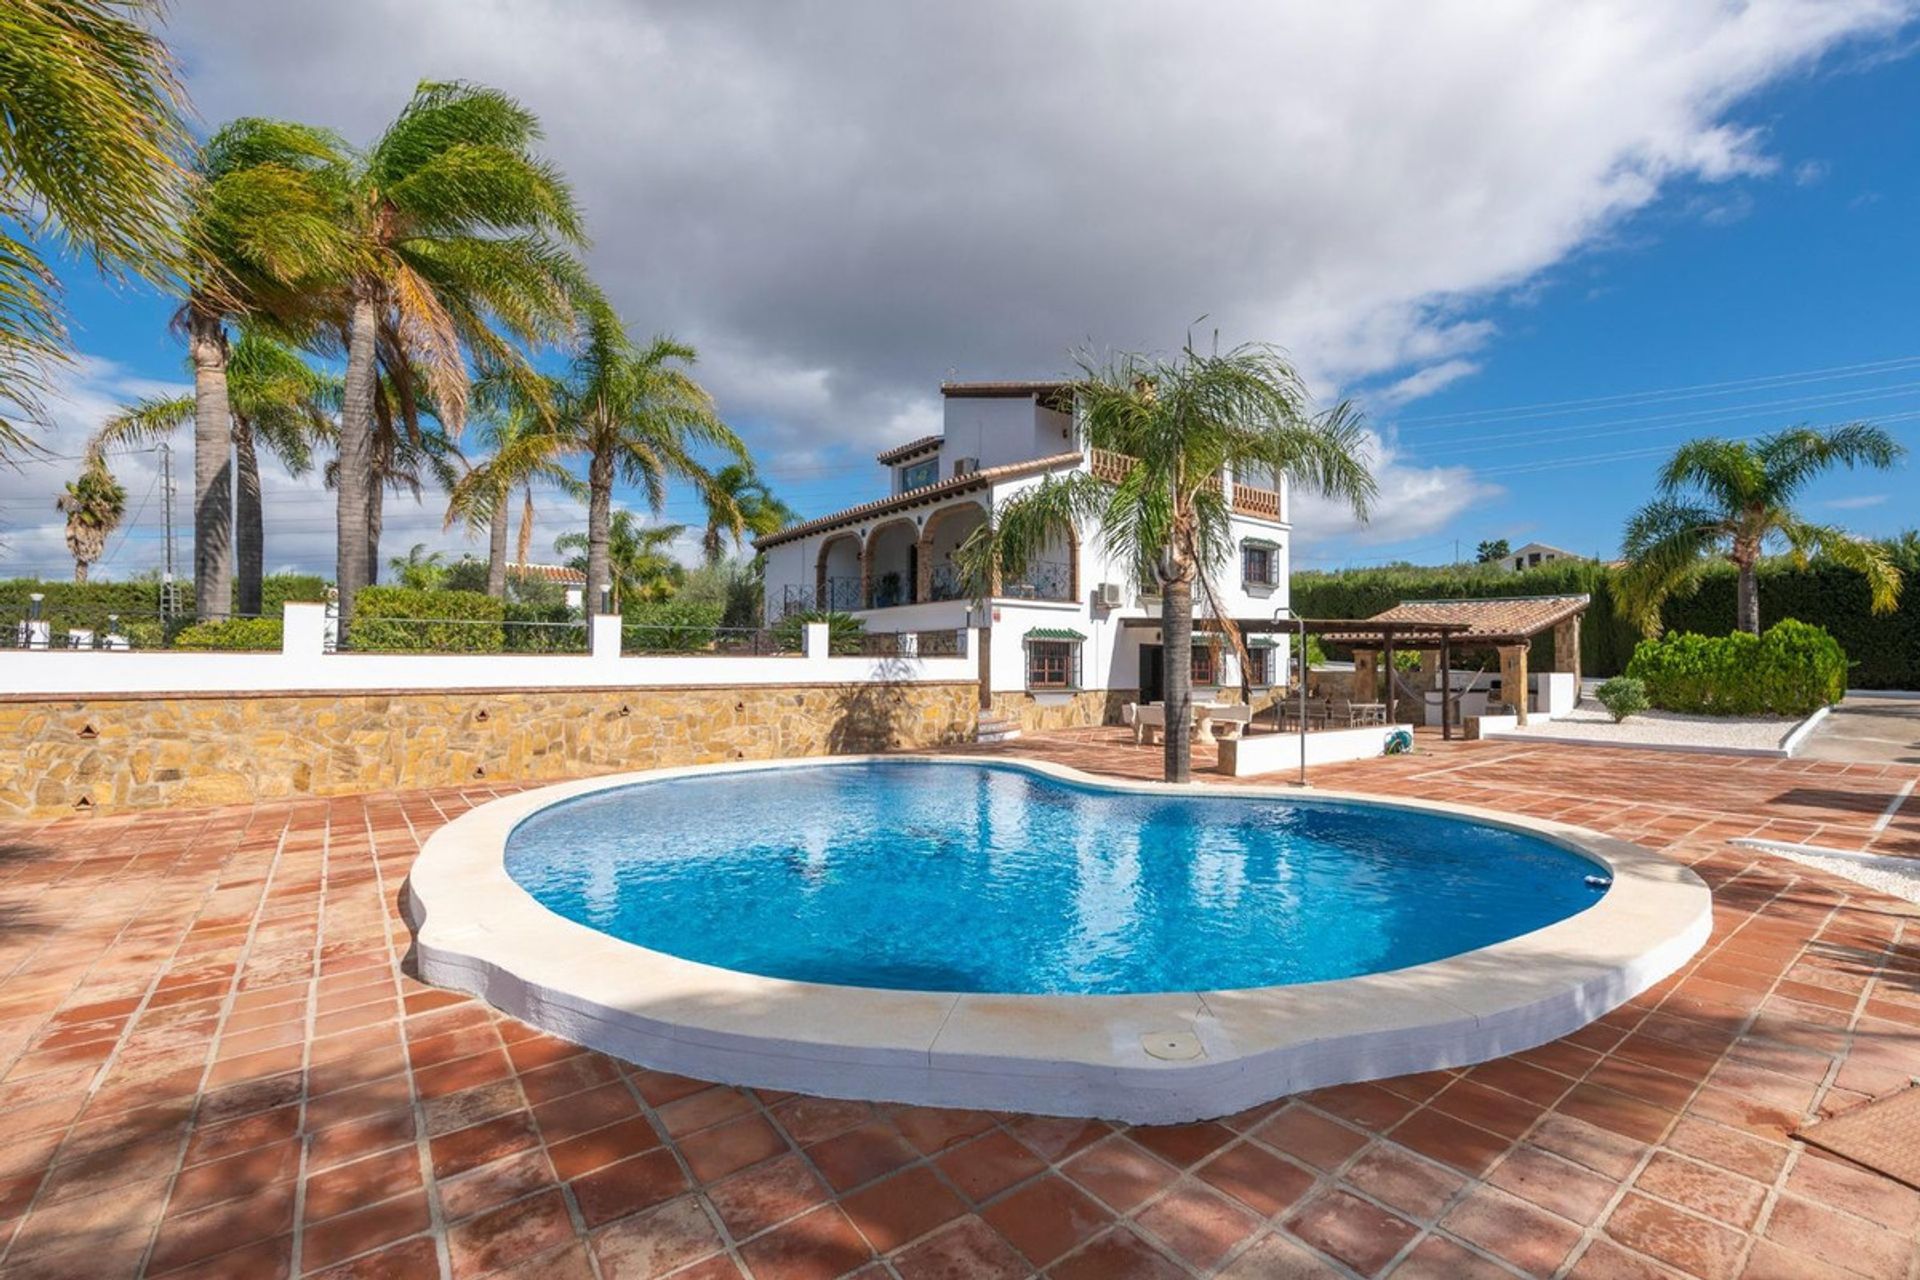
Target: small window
[919,475]
[1256,565]
[1053,664]
[1206,664]
[1260,667]
[1533,557]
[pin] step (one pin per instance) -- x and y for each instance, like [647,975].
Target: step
[1000,735]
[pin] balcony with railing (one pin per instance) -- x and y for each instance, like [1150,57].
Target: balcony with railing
[1248,500]
[1039,580]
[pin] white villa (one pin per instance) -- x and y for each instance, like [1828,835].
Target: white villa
[1057,645]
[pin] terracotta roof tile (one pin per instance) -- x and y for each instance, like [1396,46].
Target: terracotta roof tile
[914,497]
[908,449]
[548,573]
[1513,616]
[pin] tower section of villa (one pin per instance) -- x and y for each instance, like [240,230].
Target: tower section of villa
[1058,646]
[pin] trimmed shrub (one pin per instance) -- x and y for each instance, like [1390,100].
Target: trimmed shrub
[238,635]
[1792,670]
[563,629]
[668,626]
[405,620]
[1623,696]
[844,631]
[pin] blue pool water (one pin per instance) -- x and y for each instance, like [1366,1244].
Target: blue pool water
[961,877]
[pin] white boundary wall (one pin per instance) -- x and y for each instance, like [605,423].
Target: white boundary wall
[304,666]
[1246,757]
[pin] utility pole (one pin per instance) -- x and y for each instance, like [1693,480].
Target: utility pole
[169,592]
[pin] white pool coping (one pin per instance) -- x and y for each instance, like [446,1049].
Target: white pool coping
[1215,1052]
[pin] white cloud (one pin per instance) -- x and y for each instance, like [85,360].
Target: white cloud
[839,202]
[1857,503]
[1414,502]
[1424,382]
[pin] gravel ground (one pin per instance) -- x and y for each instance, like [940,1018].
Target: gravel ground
[1897,876]
[1590,722]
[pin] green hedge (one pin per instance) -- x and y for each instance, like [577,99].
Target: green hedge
[403,620]
[560,629]
[244,635]
[1884,650]
[668,626]
[1792,669]
[85,603]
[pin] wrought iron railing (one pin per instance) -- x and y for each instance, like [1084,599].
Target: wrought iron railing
[378,634]
[68,628]
[914,644]
[1041,580]
[843,595]
[947,582]
[696,640]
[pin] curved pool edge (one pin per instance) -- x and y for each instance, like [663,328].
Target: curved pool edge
[477,930]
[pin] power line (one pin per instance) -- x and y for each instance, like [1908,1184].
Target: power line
[1692,391]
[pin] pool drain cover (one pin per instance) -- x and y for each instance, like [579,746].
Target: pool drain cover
[1884,1135]
[1172,1046]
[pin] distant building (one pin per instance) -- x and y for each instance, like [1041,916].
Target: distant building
[571,579]
[1535,554]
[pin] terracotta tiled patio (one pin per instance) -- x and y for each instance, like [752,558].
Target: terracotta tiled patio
[213,1064]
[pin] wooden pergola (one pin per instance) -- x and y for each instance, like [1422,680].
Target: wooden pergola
[1508,626]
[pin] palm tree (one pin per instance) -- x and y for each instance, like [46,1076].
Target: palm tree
[274,398]
[637,415]
[1728,499]
[638,563]
[517,426]
[460,233]
[91,142]
[739,504]
[263,226]
[1176,427]
[93,504]
[420,569]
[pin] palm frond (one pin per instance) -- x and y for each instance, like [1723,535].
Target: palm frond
[1870,560]
[1666,545]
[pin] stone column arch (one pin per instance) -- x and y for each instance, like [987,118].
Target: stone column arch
[945,529]
[883,540]
[823,564]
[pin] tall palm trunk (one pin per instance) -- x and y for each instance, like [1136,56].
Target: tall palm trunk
[1176,634]
[355,479]
[376,521]
[497,548]
[249,532]
[1749,613]
[79,569]
[599,529]
[212,476]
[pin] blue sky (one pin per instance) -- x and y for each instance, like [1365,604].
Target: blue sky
[1548,209]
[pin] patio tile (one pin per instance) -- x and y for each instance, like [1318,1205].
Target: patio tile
[1556,1185]
[819,1245]
[1529,1238]
[1310,1137]
[1418,1188]
[1702,1188]
[967,1250]
[656,1242]
[1438,1258]
[507,1235]
[1688,1243]
[860,1155]
[628,1186]
[1120,1173]
[1197,1223]
[988,1165]
[767,1195]
[901,1208]
[364,1230]
[1256,1178]
[1118,1254]
[1183,1145]
[1046,1218]
[1363,1236]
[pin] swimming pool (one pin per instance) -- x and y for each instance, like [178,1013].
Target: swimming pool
[1025,937]
[970,877]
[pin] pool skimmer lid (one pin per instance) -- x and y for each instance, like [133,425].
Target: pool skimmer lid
[1172,1046]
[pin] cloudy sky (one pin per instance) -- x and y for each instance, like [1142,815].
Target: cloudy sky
[1452,211]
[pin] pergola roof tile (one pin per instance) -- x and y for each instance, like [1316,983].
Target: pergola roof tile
[1511,618]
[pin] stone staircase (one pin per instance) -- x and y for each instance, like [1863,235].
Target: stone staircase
[995,728]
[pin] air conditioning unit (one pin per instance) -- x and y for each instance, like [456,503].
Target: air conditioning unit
[1108,595]
[965,466]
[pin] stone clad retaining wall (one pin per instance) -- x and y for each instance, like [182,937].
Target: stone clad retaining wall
[59,754]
